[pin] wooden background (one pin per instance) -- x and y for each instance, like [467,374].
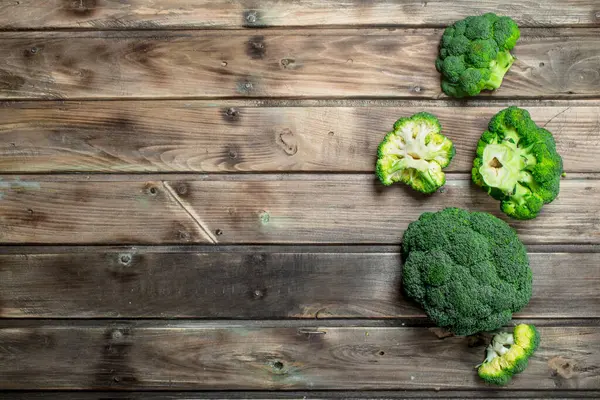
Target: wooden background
[187,199]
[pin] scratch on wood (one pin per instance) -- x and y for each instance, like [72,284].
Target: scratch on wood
[557,115]
[190,212]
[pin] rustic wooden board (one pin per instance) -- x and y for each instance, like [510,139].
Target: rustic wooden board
[150,136]
[305,395]
[125,355]
[84,212]
[307,284]
[552,63]
[357,209]
[263,209]
[153,14]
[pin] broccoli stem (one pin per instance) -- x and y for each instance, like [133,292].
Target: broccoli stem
[498,68]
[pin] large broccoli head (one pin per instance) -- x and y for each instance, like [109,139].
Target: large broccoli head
[468,270]
[508,354]
[475,54]
[517,163]
[415,153]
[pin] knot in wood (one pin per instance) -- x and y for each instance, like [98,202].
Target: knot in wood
[251,17]
[287,141]
[182,188]
[125,259]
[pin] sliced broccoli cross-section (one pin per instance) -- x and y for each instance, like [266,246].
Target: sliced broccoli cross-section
[508,354]
[517,163]
[415,153]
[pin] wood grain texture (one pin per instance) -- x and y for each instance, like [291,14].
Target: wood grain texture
[133,284]
[552,63]
[154,14]
[189,356]
[168,136]
[357,209]
[305,395]
[264,210]
[89,213]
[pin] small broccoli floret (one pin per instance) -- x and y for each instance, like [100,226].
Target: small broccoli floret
[508,354]
[415,153]
[517,163]
[482,44]
[468,270]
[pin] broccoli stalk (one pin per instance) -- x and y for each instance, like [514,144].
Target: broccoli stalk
[475,54]
[517,163]
[415,153]
[498,68]
[508,354]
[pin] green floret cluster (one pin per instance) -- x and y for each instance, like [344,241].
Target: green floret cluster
[508,354]
[517,163]
[415,153]
[475,54]
[468,270]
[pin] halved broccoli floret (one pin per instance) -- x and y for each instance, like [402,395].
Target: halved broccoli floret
[475,54]
[468,270]
[508,354]
[415,153]
[517,163]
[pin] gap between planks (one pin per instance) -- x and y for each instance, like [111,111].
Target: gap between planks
[25,249]
[231,177]
[304,326]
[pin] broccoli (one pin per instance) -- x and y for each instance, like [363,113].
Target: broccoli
[415,153]
[508,354]
[475,54]
[517,163]
[468,270]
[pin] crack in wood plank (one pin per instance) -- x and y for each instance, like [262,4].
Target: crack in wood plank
[191,212]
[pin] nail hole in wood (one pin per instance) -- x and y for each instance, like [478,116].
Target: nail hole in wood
[278,365]
[218,232]
[182,189]
[125,259]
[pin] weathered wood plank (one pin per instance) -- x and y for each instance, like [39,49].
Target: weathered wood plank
[255,285]
[150,136]
[552,63]
[357,209]
[239,357]
[144,14]
[306,395]
[85,212]
[263,210]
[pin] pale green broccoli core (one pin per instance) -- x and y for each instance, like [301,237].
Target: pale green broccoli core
[505,164]
[498,69]
[415,149]
[499,346]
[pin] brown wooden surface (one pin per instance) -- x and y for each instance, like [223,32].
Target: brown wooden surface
[264,209]
[551,63]
[239,194]
[329,283]
[85,212]
[192,356]
[149,136]
[154,14]
[305,395]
